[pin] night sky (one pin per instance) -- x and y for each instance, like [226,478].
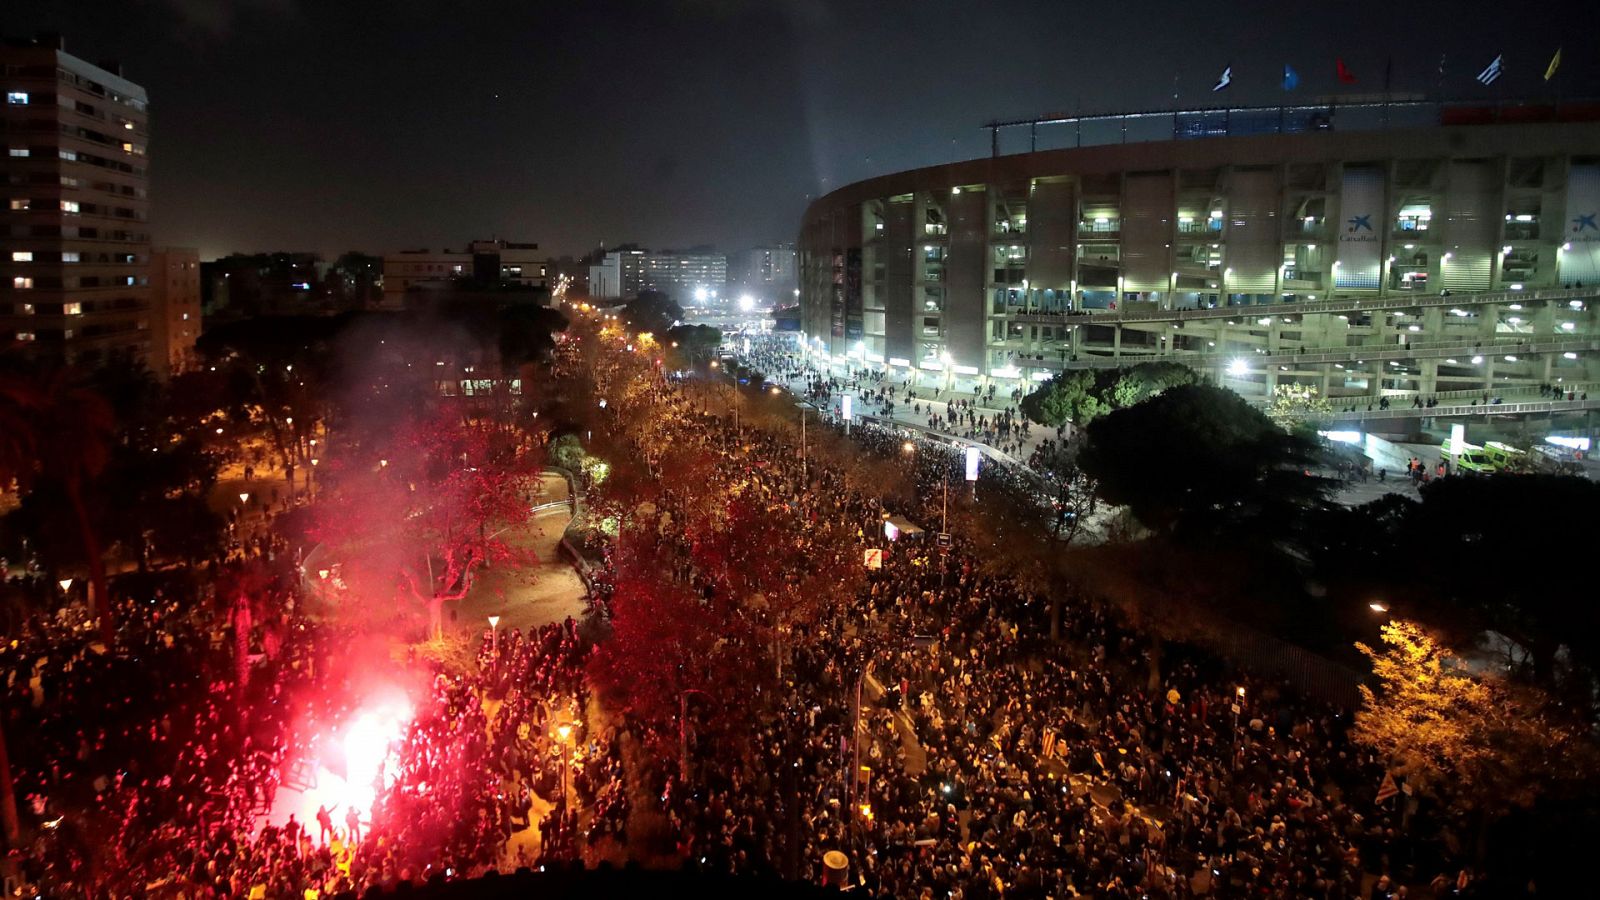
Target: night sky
[330,125]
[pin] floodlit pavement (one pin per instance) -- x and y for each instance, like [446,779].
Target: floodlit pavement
[528,596]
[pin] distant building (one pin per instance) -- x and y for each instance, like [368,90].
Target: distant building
[483,264]
[75,248]
[174,308]
[694,275]
[767,272]
[241,285]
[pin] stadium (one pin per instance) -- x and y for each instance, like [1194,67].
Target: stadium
[1374,250]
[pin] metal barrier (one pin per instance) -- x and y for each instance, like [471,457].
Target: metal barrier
[1480,409]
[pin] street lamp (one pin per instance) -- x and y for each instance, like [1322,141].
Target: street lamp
[565,732]
[66,584]
[1377,607]
[494,635]
[244,498]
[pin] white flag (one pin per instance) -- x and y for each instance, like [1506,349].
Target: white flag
[1225,80]
[1492,71]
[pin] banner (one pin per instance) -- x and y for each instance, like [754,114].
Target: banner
[1360,234]
[1580,254]
[972,463]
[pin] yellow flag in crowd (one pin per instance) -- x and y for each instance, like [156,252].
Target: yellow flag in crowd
[1555,63]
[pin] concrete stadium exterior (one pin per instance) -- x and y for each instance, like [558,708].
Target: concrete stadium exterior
[1446,260]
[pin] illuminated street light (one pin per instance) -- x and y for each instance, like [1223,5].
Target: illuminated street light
[66,583]
[1238,367]
[244,498]
[494,634]
[746,303]
[1377,607]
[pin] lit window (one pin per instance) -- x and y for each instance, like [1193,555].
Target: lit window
[185,317]
[69,206]
[66,333]
[72,309]
[25,336]
[130,280]
[19,204]
[69,256]
[17,98]
[22,256]
[68,155]
[22,283]
[19,151]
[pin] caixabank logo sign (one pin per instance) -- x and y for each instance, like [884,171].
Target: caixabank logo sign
[1358,230]
[1584,227]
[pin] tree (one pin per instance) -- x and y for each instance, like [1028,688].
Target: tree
[1200,461]
[1146,380]
[1462,522]
[1294,404]
[1083,395]
[692,343]
[70,429]
[1475,743]
[422,522]
[667,639]
[651,311]
[1064,398]
[17,399]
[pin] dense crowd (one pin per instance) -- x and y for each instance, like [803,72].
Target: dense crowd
[149,765]
[927,726]
[998,762]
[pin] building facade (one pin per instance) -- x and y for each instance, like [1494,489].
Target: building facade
[699,275]
[767,272]
[175,308]
[1422,259]
[75,247]
[482,264]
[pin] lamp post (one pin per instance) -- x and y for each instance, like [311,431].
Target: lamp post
[1238,706]
[564,732]
[494,635]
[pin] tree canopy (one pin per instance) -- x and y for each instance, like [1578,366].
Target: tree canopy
[1080,396]
[651,311]
[1476,743]
[1200,460]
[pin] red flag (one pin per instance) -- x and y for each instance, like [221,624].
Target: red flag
[1345,75]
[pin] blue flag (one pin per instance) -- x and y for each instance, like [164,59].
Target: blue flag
[1291,78]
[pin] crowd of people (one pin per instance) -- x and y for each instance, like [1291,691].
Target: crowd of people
[154,763]
[925,725]
[997,762]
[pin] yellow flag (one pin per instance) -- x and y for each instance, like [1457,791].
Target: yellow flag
[1555,62]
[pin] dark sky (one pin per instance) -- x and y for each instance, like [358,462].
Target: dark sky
[331,124]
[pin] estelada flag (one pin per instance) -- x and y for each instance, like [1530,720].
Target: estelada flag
[1387,787]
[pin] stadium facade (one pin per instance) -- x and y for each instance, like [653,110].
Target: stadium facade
[1449,257]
